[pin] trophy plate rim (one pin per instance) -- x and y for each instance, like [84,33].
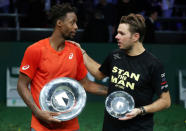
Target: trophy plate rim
[66,83]
[125,97]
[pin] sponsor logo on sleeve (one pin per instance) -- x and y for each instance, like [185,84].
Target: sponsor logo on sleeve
[163,75]
[164,86]
[164,83]
[25,67]
[71,56]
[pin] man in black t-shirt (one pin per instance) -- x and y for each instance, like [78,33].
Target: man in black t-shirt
[133,69]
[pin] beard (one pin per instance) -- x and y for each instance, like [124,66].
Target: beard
[68,36]
[128,48]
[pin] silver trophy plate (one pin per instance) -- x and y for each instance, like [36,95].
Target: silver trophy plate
[119,103]
[64,95]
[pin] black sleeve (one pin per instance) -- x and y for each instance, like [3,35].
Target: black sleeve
[105,67]
[159,82]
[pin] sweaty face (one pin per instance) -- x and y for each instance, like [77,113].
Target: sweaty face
[124,37]
[69,26]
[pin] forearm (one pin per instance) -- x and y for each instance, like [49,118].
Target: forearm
[24,92]
[44,116]
[97,88]
[163,102]
[92,66]
[93,87]
[28,99]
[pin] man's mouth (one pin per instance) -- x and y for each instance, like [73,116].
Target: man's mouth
[73,33]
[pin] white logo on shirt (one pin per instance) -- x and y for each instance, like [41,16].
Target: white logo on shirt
[25,67]
[163,75]
[70,56]
[116,56]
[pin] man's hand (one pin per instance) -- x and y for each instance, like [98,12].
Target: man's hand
[78,45]
[75,43]
[93,87]
[132,114]
[47,117]
[25,93]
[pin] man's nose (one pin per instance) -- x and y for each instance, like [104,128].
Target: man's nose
[116,37]
[75,26]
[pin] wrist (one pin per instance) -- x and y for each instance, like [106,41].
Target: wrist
[36,111]
[139,111]
[143,111]
[83,52]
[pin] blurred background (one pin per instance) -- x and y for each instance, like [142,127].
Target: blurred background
[165,19]
[23,22]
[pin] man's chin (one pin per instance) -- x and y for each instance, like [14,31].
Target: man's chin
[69,37]
[120,47]
[72,36]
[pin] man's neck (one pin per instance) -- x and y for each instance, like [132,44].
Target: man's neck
[57,41]
[136,50]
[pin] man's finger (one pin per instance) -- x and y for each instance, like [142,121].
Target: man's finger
[54,120]
[55,113]
[126,118]
[75,43]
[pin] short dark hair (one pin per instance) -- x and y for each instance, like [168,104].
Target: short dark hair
[59,11]
[151,11]
[137,24]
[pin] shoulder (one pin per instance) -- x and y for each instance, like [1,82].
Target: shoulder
[114,55]
[37,46]
[152,56]
[117,52]
[114,52]
[153,60]
[72,46]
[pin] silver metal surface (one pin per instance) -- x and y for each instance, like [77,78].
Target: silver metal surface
[64,95]
[119,103]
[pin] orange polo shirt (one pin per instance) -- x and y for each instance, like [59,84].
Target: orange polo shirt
[42,63]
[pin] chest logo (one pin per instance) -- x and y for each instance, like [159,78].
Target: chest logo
[71,56]
[124,78]
[116,56]
[25,67]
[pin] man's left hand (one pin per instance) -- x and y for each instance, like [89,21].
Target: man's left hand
[132,114]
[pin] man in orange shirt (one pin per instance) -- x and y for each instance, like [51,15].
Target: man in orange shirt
[51,58]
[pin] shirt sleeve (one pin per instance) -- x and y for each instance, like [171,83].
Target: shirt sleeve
[30,61]
[159,82]
[105,67]
[82,71]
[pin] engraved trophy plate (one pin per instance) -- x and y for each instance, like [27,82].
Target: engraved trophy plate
[119,103]
[64,95]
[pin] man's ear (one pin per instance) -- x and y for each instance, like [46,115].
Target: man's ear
[136,36]
[59,23]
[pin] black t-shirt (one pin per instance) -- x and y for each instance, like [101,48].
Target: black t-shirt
[142,77]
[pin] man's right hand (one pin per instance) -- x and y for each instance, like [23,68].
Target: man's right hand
[25,93]
[78,45]
[75,43]
[47,117]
